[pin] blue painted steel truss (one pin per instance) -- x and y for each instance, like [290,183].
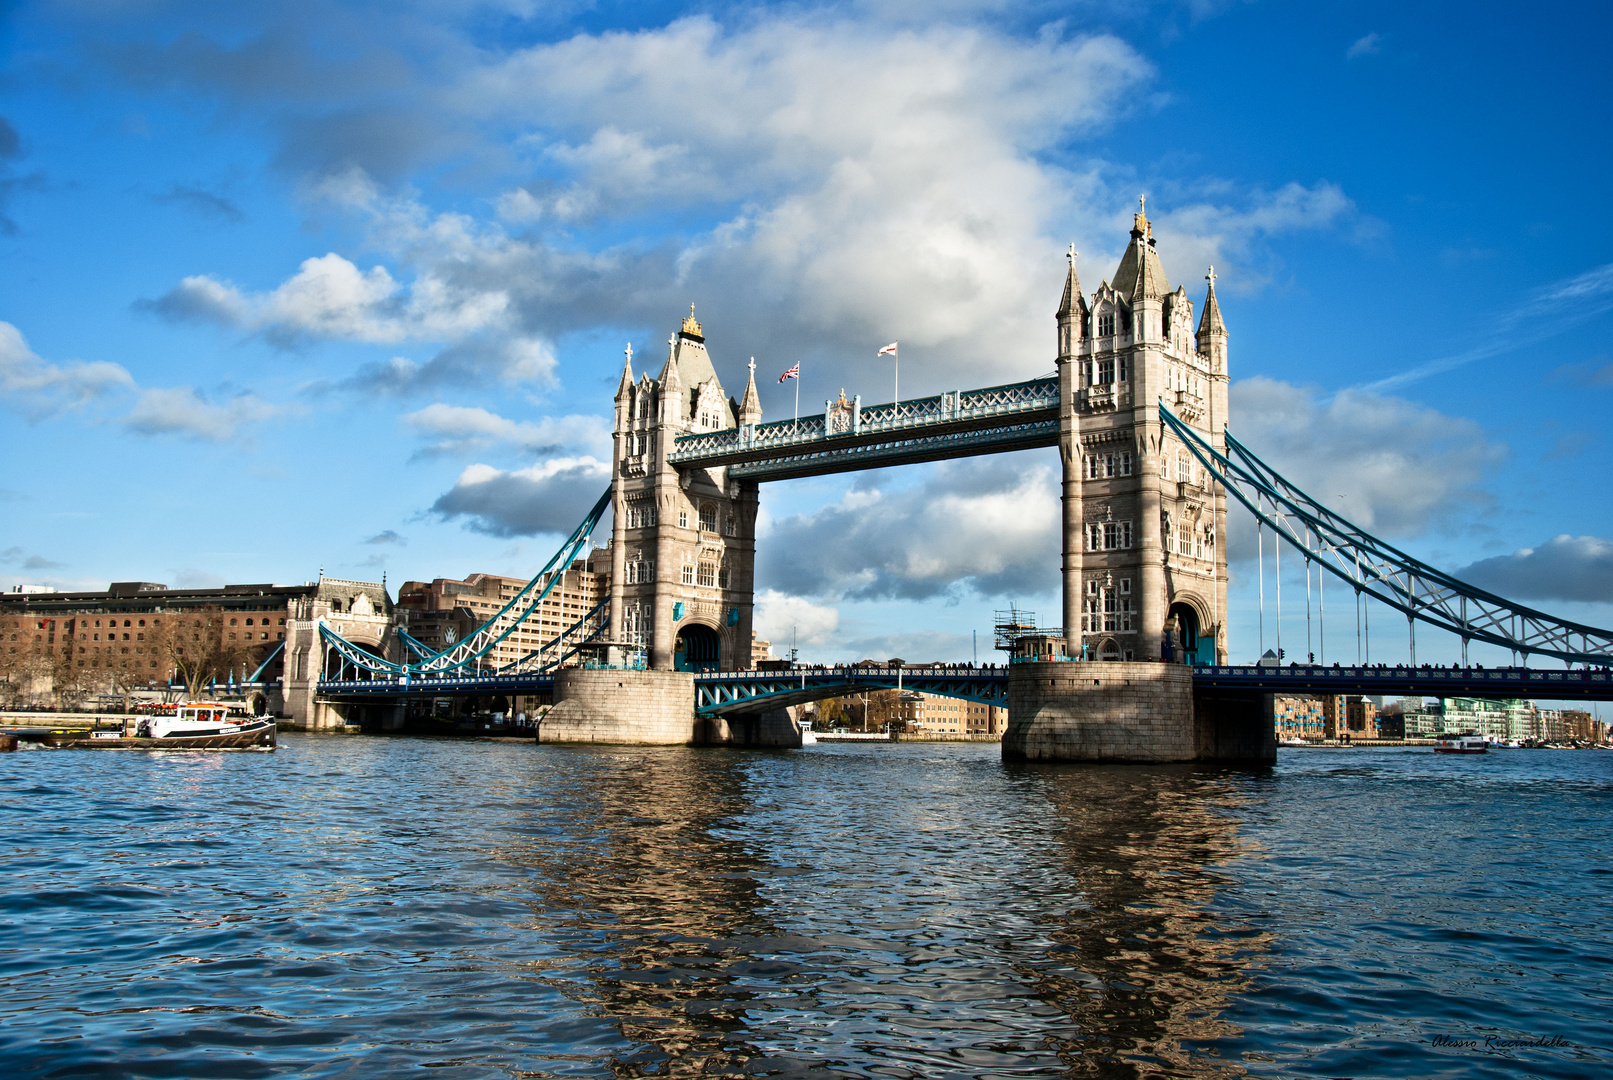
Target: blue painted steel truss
[1386,573]
[962,423]
[468,653]
[730,692]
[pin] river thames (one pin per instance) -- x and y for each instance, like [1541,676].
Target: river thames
[362,907]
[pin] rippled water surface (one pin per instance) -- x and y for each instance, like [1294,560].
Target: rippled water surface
[363,907]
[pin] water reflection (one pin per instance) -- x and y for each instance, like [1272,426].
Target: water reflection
[638,869]
[1143,965]
[920,913]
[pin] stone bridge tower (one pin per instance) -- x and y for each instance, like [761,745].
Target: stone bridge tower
[683,543]
[1144,531]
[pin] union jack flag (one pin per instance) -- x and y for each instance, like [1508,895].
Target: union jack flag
[794,372]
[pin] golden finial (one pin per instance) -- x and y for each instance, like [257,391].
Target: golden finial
[689,325]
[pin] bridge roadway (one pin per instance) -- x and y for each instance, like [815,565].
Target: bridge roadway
[734,692]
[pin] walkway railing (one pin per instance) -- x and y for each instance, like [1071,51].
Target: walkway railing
[955,411]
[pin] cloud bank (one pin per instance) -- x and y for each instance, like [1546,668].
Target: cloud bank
[1572,568]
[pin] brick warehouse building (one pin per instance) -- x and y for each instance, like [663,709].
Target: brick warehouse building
[113,630]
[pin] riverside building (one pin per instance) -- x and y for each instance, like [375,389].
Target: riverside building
[932,714]
[444,611]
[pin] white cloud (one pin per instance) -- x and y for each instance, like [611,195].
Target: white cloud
[548,497]
[779,615]
[847,183]
[988,525]
[461,429]
[1368,45]
[39,388]
[1391,466]
[181,410]
[1199,234]
[329,297]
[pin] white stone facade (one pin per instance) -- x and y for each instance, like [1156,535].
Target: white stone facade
[1145,551]
[683,544]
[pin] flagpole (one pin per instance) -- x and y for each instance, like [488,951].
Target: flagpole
[896,359]
[797,418]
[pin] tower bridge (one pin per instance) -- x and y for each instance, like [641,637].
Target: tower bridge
[1136,407]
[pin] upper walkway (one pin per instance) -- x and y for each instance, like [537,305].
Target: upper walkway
[959,423]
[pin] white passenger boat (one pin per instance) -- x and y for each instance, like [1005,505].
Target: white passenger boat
[1466,743]
[193,725]
[808,737]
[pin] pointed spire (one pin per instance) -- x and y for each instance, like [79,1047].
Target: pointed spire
[1210,322]
[1074,302]
[1140,276]
[750,406]
[1150,283]
[625,384]
[669,373]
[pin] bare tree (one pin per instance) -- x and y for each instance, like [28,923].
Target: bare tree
[197,647]
[884,711]
[25,669]
[868,712]
[123,666]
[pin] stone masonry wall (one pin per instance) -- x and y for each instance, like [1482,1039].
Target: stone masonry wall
[604,705]
[1100,711]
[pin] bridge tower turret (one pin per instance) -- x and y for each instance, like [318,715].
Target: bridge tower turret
[683,542]
[1073,326]
[1144,553]
[1212,348]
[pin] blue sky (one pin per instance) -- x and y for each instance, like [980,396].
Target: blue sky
[346,285]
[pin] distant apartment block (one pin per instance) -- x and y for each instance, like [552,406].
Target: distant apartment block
[444,611]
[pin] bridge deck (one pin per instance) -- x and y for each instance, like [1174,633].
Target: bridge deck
[961,423]
[1510,682]
[721,693]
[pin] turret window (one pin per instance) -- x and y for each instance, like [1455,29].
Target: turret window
[708,517]
[1106,324]
[1107,466]
[1107,606]
[1108,535]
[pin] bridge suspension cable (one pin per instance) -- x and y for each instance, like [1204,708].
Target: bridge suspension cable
[480,642]
[1381,571]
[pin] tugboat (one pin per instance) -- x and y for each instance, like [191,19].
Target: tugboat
[195,725]
[1465,743]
